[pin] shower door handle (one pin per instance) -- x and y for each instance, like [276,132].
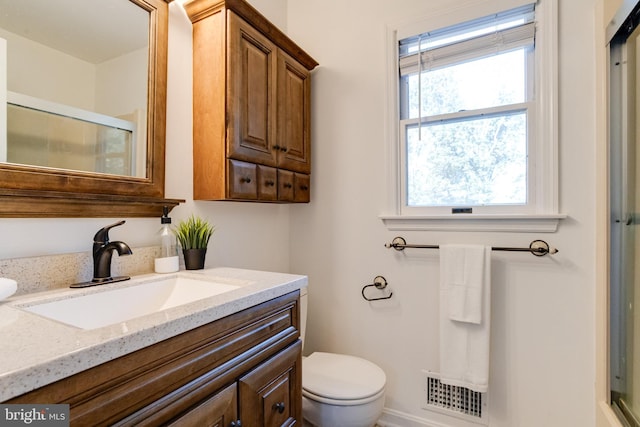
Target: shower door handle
[628,220]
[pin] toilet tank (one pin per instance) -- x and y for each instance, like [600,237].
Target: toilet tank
[303,313]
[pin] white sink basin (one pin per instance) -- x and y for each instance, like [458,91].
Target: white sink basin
[104,308]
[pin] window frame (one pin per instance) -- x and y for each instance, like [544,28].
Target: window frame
[541,214]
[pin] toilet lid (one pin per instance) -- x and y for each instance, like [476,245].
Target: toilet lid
[341,377]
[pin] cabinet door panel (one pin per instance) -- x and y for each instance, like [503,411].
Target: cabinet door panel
[220,410]
[251,79]
[270,395]
[293,133]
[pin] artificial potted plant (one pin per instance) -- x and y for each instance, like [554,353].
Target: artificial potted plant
[193,235]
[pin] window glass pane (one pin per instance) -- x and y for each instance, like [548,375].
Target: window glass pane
[481,161]
[482,83]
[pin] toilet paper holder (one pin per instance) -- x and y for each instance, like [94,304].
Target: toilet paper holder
[379,282]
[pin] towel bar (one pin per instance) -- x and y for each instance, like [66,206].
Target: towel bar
[537,247]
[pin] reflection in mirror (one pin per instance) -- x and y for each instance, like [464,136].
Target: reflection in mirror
[77,73]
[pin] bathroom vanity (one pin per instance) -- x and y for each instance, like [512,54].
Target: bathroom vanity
[232,359]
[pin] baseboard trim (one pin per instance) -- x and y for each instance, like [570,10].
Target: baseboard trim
[395,418]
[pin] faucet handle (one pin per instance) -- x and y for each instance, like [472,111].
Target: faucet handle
[102,236]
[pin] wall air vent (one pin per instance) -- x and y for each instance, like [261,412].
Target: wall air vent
[453,400]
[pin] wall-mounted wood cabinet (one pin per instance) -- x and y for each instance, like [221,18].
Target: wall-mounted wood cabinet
[251,106]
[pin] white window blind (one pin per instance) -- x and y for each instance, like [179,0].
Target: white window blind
[489,44]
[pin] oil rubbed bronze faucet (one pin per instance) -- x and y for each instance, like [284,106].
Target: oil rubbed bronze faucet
[102,253]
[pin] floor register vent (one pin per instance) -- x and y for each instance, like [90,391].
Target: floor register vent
[453,400]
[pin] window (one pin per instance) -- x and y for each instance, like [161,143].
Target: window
[472,135]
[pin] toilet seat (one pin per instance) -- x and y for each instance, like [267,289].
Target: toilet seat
[343,402]
[340,379]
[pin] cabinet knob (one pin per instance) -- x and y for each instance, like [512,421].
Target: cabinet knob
[269,183]
[276,147]
[245,180]
[283,149]
[279,407]
[304,187]
[287,185]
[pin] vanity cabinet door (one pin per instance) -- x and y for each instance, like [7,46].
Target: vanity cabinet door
[251,81]
[220,410]
[271,394]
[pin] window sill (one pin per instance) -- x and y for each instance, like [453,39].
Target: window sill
[462,222]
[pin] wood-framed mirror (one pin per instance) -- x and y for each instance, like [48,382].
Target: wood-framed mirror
[103,163]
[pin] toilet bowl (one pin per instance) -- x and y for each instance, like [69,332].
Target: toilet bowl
[337,389]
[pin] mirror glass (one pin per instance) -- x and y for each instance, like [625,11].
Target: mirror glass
[77,85]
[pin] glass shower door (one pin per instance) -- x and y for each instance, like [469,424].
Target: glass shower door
[625,240]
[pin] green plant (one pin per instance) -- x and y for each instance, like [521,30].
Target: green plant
[194,233]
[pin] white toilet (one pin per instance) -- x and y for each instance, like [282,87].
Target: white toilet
[339,390]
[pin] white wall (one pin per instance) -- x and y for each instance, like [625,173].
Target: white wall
[542,367]
[274,10]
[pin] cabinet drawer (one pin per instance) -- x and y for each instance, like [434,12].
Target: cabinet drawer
[302,188]
[267,183]
[242,180]
[285,186]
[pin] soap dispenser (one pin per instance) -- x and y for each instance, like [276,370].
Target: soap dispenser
[168,261]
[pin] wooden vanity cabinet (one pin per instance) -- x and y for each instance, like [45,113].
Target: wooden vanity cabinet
[242,370]
[251,90]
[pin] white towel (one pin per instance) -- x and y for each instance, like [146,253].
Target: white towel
[465,313]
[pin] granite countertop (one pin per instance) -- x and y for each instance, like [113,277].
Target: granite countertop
[36,351]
